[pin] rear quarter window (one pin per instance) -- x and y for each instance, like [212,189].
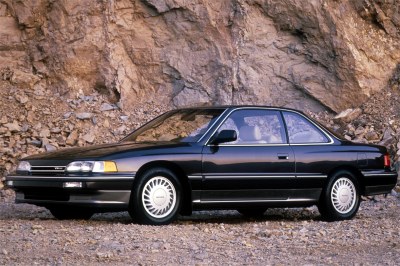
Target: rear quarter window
[302,131]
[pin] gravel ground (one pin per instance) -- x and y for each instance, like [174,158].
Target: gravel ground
[31,236]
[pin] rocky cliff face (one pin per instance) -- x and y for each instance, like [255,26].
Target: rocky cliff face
[76,73]
[306,54]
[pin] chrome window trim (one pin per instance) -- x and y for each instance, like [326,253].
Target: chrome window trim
[252,145]
[312,144]
[213,124]
[271,144]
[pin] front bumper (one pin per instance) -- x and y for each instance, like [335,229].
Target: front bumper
[108,192]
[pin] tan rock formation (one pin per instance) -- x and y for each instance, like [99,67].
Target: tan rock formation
[306,54]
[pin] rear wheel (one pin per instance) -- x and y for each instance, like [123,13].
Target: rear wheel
[340,199]
[62,213]
[156,197]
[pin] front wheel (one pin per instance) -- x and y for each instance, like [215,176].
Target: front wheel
[340,199]
[156,197]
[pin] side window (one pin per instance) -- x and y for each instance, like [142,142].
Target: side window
[300,130]
[256,127]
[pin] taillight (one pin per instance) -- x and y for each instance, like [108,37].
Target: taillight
[386,160]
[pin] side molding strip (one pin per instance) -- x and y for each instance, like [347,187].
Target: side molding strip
[251,201]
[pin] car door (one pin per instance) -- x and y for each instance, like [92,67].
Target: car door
[258,167]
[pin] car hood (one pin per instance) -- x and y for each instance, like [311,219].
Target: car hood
[99,151]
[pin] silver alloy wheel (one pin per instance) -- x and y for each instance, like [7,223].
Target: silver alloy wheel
[159,197]
[343,195]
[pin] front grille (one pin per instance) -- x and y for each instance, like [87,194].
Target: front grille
[48,170]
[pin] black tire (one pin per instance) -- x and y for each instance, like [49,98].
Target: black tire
[252,211]
[67,213]
[340,198]
[156,197]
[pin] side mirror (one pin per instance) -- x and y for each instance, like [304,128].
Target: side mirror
[225,136]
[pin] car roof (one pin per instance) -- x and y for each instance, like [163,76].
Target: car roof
[239,106]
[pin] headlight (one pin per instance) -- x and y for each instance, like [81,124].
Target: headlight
[80,167]
[91,166]
[24,166]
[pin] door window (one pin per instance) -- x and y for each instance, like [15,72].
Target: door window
[256,127]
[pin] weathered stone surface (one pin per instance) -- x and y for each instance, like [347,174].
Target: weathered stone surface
[44,133]
[348,115]
[3,119]
[84,116]
[22,98]
[106,123]
[50,147]
[89,137]
[372,135]
[36,143]
[72,138]
[23,79]
[67,115]
[189,97]
[55,130]
[120,130]
[384,13]
[107,107]
[13,53]
[359,131]
[308,55]
[13,127]
[388,137]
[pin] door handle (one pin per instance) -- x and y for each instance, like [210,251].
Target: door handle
[283,156]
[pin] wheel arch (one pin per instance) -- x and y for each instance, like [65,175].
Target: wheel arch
[180,174]
[356,172]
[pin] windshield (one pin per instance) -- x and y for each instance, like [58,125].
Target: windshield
[187,125]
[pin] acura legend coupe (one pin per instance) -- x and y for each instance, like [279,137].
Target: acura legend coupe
[247,158]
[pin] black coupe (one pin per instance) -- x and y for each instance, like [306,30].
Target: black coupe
[247,158]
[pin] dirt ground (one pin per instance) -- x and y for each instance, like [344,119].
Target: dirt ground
[31,236]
